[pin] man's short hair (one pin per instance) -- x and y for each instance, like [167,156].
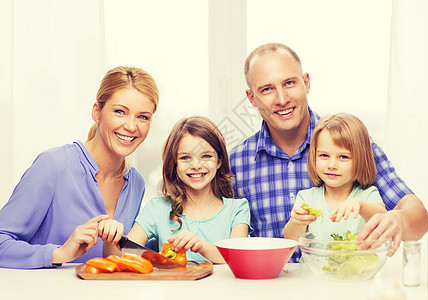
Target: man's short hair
[265,49]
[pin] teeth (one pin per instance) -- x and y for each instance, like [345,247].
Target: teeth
[284,112]
[196,175]
[124,137]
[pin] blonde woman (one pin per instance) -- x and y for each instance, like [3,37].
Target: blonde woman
[54,212]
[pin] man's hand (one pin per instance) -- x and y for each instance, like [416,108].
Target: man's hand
[384,226]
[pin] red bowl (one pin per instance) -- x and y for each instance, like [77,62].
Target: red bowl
[256,257]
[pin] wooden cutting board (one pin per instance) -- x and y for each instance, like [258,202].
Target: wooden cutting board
[194,270]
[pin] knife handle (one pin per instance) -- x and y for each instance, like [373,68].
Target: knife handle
[122,241]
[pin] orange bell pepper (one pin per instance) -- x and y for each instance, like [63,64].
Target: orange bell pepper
[102,263]
[135,265]
[116,259]
[132,256]
[178,256]
[93,270]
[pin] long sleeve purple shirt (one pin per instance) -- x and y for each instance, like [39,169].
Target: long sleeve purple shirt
[55,195]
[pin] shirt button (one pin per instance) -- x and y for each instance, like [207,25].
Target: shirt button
[290,163]
[292,197]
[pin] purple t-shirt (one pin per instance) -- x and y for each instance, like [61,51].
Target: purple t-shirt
[55,195]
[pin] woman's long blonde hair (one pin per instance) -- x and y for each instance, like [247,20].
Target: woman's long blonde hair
[124,78]
[349,132]
[173,189]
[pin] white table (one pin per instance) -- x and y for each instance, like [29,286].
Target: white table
[298,283]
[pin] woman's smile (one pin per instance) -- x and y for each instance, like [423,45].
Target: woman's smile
[125,138]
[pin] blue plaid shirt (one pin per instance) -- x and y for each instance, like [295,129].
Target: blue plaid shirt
[270,179]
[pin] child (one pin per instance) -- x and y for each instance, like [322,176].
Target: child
[342,169]
[197,207]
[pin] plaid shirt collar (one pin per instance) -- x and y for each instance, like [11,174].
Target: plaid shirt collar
[265,142]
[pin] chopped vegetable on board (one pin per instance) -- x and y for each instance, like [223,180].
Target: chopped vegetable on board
[102,263]
[125,263]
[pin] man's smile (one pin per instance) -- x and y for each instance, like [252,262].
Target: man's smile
[284,112]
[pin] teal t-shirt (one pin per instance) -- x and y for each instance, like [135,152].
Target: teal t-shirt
[323,226]
[154,219]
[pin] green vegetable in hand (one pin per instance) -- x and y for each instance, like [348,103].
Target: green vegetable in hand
[316,212]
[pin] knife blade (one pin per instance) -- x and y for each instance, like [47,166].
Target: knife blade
[157,260]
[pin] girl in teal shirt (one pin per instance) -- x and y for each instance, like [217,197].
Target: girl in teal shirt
[342,169]
[197,207]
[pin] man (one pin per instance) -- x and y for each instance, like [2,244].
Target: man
[270,167]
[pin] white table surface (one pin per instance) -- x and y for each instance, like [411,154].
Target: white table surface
[298,283]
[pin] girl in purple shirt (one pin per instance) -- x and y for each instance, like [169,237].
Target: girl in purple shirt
[75,195]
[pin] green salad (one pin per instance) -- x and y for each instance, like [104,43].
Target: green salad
[345,265]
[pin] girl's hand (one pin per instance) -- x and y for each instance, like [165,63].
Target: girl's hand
[83,238]
[187,240]
[344,210]
[300,216]
[110,231]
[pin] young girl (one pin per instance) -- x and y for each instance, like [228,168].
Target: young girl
[197,207]
[342,169]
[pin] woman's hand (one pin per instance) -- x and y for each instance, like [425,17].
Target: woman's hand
[110,231]
[187,240]
[83,238]
[344,210]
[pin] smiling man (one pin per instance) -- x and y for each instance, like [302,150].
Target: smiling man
[270,167]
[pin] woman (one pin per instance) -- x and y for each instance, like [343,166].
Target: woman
[53,214]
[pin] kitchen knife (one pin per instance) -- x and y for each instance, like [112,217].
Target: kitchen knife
[157,260]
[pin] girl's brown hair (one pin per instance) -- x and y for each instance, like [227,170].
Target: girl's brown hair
[173,189]
[124,78]
[349,132]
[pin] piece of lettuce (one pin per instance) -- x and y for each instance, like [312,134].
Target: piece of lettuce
[349,266]
[316,212]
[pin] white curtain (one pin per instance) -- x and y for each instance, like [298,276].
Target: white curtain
[52,61]
[407,112]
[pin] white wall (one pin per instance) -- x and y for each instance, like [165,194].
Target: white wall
[343,45]
[169,40]
[54,54]
[51,66]
[406,125]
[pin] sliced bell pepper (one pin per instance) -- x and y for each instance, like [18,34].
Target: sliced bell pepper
[93,270]
[116,259]
[102,263]
[135,265]
[132,256]
[178,256]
